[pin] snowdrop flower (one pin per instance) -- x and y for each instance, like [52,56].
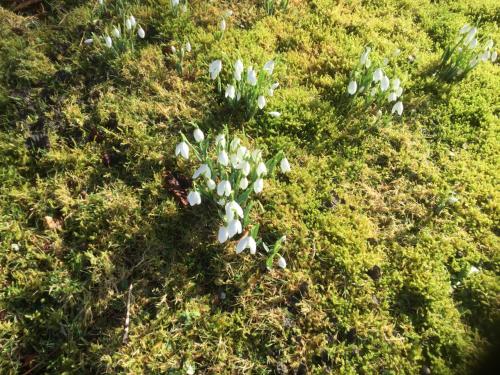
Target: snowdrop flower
[223,235]
[14,247]
[282,262]
[173,49]
[116,32]
[465,29]
[256,154]
[174,3]
[141,33]
[235,161]
[494,56]
[211,184]
[188,46]
[396,83]
[384,83]
[473,43]
[230,92]
[242,151]
[245,168]
[223,158]
[261,101]
[353,86]
[224,188]
[485,56]
[269,67]
[238,69]
[234,227]
[101,2]
[243,183]
[108,41]
[88,41]
[470,36]
[399,91]
[273,87]
[258,186]
[398,108]
[489,44]
[234,143]
[182,149]
[204,170]
[128,24]
[232,208]
[198,135]
[215,68]
[378,75]
[285,165]
[133,22]
[246,242]
[392,97]
[221,140]
[194,198]
[261,169]
[222,25]
[364,60]
[251,77]
[274,114]
[452,200]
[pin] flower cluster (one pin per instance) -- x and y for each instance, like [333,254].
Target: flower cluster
[118,39]
[465,54]
[271,6]
[223,24]
[374,85]
[231,175]
[179,54]
[247,89]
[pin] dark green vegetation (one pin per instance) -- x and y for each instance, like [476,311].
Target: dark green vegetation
[379,258]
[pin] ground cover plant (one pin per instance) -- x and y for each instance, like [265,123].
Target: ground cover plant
[108,262]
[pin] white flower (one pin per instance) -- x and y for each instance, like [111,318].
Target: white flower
[384,83]
[378,75]
[242,151]
[353,86]
[15,247]
[141,33]
[261,169]
[485,56]
[224,188]
[173,49]
[220,140]
[285,165]
[392,97]
[88,41]
[473,270]
[489,44]
[182,149]
[269,67]
[399,91]
[470,36]
[243,183]
[128,24]
[108,41]
[222,25]
[238,69]
[398,108]
[215,68]
[473,43]
[230,92]
[116,32]
[275,85]
[234,143]
[223,158]
[274,114]
[211,184]
[198,135]
[234,227]
[101,2]
[261,101]
[174,3]
[494,56]
[194,198]
[258,185]
[251,77]
[465,29]
[223,235]
[204,170]
[246,242]
[188,46]
[364,57]
[231,208]
[235,161]
[282,262]
[245,168]
[396,83]
[133,22]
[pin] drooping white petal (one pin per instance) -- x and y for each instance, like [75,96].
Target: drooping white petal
[352,87]
[204,170]
[230,92]
[234,227]
[182,149]
[242,244]
[223,158]
[494,56]
[274,114]
[215,68]
[396,83]
[88,41]
[194,198]
[261,169]
[128,24]
[392,97]
[398,108]
[243,183]
[245,168]
[211,184]
[258,186]
[116,32]
[141,33]
[133,22]
[223,235]
[285,165]
[188,46]
[465,29]
[108,41]
[198,135]
[261,101]
[282,262]
[222,25]
[378,75]
[269,67]
[220,140]
[251,245]
[384,83]
[238,69]
[251,77]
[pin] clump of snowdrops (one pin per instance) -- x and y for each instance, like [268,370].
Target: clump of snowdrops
[246,89]
[467,51]
[272,6]
[179,54]
[373,85]
[231,176]
[222,26]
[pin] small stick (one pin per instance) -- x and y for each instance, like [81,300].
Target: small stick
[127,319]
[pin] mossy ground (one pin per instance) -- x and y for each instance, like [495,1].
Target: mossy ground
[378,277]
